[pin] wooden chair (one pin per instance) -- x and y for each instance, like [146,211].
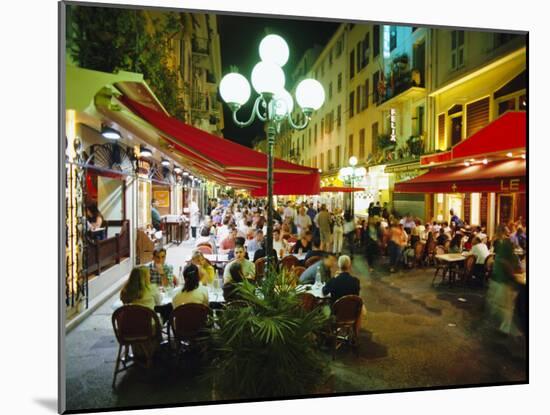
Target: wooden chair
[137,327]
[430,252]
[488,266]
[347,314]
[419,254]
[298,271]
[288,262]
[439,265]
[312,260]
[186,322]
[468,270]
[308,301]
[204,249]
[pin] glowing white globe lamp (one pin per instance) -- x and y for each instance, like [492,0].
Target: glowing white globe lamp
[235,89]
[284,104]
[310,94]
[267,78]
[274,49]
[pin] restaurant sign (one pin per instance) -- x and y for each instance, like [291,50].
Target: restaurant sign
[392,124]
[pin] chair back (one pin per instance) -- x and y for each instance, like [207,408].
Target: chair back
[298,271]
[347,309]
[440,250]
[308,301]
[288,262]
[135,324]
[419,251]
[489,262]
[312,260]
[469,263]
[187,320]
[205,249]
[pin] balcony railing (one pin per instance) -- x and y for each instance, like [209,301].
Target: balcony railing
[200,45]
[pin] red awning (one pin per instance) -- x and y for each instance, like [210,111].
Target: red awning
[227,162]
[328,189]
[507,133]
[502,176]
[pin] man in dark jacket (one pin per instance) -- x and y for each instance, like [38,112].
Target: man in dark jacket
[344,283]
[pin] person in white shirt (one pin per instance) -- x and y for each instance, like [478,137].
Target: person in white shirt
[303,221]
[479,233]
[192,292]
[289,211]
[481,252]
[280,245]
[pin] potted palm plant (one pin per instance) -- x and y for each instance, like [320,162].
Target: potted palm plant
[268,347]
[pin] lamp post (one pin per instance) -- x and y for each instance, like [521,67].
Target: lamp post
[350,175]
[273,105]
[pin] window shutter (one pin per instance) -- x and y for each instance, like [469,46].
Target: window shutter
[477,116]
[441,130]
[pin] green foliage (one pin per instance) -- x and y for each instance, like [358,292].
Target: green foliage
[384,141]
[268,348]
[112,39]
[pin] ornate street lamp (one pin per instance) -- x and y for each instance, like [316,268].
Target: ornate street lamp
[273,105]
[350,175]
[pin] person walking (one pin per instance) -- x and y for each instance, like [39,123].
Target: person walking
[337,233]
[323,222]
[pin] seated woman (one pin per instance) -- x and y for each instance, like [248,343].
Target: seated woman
[229,289]
[192,291]
[207,273]
[95,222]
[139,290]
[303,244]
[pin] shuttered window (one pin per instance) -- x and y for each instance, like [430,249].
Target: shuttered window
[441,131]
[477,116]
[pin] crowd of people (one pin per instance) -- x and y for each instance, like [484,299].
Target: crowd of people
[238,228]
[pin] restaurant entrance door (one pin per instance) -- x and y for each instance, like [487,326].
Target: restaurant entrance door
[505,208]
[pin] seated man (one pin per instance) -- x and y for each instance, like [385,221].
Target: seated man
[260,253]
[228,243]
[279,244]
[344,283]
[239,240]
[247,267]
[324,267]
[481,252]
[316,251]
[303,244]
[256,243]
[161,273]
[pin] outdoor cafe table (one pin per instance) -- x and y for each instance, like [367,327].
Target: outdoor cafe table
[451,262]
[215,295]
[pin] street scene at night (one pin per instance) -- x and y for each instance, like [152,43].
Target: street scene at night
[261,208]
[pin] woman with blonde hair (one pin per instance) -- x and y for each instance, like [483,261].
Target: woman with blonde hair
[139,290]
[207,273]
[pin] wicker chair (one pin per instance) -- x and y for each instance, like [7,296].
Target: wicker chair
[347,314]
[467,271]
[312,260]
[308,301]
[419,257]
[186,322]
[289,262]
[137,327]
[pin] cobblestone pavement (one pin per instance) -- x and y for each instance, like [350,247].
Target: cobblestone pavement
[414,336]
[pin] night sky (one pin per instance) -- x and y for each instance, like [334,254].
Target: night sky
[240,37]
